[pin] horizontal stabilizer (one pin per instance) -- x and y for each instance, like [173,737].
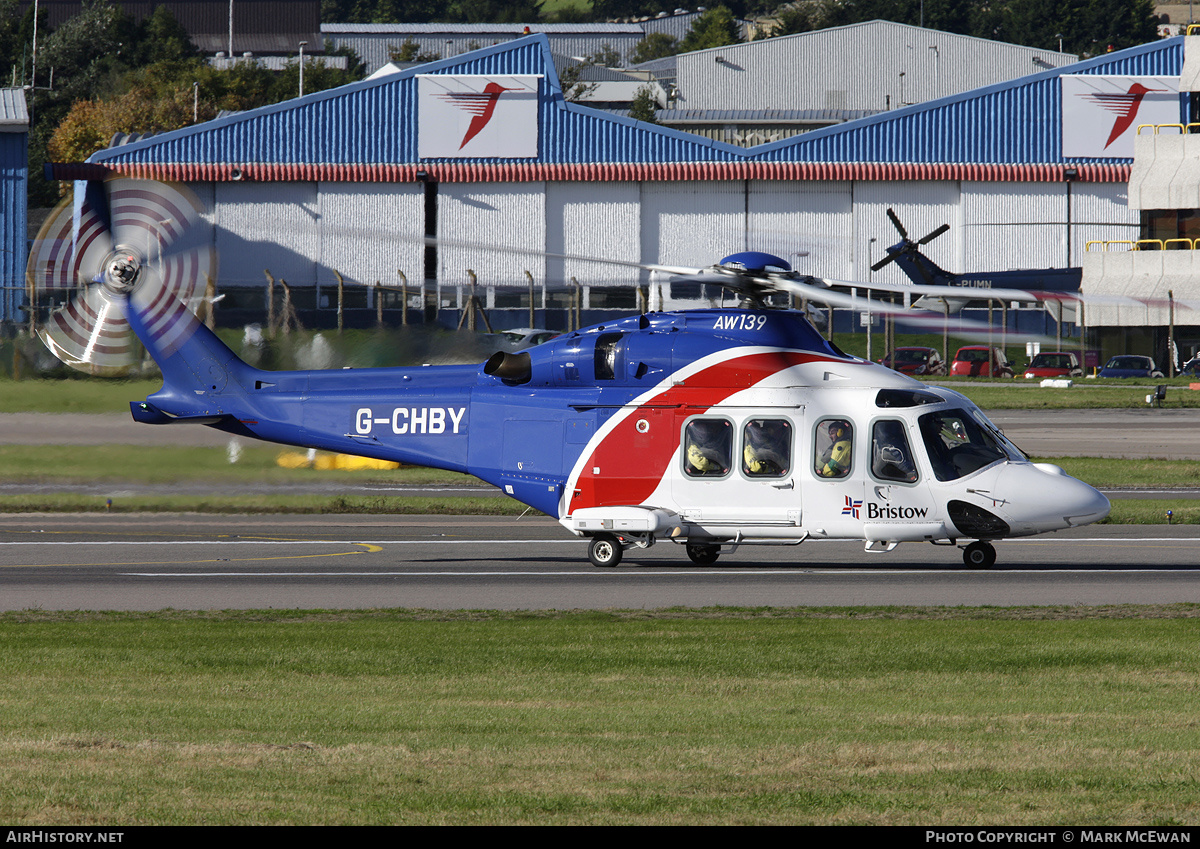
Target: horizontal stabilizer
[147,413]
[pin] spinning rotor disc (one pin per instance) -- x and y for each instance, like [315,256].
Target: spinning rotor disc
[122,244]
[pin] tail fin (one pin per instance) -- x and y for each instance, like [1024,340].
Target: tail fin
[923,271]
[201,376]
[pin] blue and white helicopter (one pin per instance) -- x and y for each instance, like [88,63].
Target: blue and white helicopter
[709,428]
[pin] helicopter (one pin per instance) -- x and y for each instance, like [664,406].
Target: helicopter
[921,270]
[711,429]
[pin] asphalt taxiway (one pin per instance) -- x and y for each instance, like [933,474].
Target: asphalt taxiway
[202,562]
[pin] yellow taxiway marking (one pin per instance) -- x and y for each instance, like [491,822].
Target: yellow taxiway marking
[367,548]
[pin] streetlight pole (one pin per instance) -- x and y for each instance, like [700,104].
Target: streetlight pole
[302,44]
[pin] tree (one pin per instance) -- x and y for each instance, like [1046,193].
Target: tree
[657,45]
[715,28]
[410,51]
[644,107]
[159,37]
[794,20]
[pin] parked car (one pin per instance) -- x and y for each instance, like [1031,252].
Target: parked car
[1057,364]
[915,361]
[520,338]
[980,361]
[1131,365]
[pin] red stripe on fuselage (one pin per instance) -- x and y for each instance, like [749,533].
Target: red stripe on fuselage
[631,464]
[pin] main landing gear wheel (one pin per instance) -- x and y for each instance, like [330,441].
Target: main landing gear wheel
[980,555]
[704,555]
[605,550]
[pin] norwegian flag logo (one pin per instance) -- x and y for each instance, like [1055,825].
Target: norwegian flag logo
[852,507]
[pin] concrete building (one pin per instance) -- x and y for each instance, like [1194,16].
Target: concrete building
[741,93]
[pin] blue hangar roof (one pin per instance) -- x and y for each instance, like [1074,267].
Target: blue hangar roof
[368,131]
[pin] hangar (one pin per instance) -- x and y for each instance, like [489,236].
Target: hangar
[348,183]
[14,181]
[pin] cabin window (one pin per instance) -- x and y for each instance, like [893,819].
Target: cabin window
[891,456]
[957,444]
[707,448]
[833,448]
[767,448]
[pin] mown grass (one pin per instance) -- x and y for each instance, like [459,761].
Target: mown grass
[98,395]
[863,716]
[171,464]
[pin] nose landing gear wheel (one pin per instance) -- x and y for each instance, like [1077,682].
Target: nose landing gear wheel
[704,555]
[605,550]
[980,555]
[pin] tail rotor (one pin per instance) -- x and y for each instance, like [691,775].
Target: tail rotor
[122,249]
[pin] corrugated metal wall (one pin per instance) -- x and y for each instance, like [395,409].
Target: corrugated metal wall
[279,230]
[493,229]
[1019,122]
[790,218]
[14,180]
[448,40]
[370,233]
[893,65]
[600,220]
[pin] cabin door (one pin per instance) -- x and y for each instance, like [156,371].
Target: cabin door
[739,467]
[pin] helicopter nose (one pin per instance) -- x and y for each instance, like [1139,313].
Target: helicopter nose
[1042,497]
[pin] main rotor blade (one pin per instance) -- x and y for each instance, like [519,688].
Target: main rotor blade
[934,234]
[887,259]
[896,223]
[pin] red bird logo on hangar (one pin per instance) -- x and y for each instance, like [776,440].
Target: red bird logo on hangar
[480,104]
[1125,106]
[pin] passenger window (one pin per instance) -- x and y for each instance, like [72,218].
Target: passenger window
[767,448]
[891,456]
[833,447]
[707,448]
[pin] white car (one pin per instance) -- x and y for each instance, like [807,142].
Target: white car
[520,338]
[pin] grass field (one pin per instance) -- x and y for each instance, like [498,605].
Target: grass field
[1014,717]
[113,396]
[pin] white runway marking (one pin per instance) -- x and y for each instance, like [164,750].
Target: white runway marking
[651,572]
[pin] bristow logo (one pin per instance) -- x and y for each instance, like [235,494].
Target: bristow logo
[882,511]
[480,104]
[1125,106]
[877,511]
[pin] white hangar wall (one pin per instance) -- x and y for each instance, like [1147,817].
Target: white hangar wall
[303,231]
[602,220]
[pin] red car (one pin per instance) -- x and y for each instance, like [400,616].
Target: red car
[915,361]
[1057,364]
[980,361]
